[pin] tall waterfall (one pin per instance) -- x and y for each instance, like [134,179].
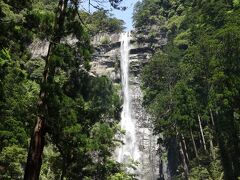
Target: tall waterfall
[129,151]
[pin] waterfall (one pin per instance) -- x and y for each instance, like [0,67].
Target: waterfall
[140,145]
[129,151]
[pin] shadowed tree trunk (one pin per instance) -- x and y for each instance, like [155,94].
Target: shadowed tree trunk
[183,157]
[34,160]
[194,144]
[212,136]
[185,148]
[225,159]
[212,119]
[234,141]
[201,131]
[184,161]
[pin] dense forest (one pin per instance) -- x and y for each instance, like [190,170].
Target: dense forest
[192,85]
[53,103]
[58,121]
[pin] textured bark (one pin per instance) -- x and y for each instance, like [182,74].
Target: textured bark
[34,160]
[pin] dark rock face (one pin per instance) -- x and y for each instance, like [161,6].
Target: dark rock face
[172,154]
[141,50]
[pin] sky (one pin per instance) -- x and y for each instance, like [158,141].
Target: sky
[124,15]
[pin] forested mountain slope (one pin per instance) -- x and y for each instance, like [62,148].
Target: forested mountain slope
[59,121]
[76,113]
[192,85]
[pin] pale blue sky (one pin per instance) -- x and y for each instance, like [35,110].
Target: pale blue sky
[124,15]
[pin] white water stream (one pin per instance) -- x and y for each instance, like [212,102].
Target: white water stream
[129,151]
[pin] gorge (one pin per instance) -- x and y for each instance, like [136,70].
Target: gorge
[80,99]
[122,60]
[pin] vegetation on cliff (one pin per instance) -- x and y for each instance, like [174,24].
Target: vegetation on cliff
[58,121]
[53,102]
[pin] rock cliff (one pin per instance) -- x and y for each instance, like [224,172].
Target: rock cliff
[106,62]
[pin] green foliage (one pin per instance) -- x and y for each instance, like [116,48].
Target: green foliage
[102,22]
[196,75]
[12,159]
[13,29]
[182,40]
[86,129]
[50,163]
[17,101]
[175,21]
[104,40]
[199,173]
[83,110]
[119,176]
[41,18]
[236,3]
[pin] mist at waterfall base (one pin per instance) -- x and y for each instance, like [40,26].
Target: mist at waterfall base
[129,151]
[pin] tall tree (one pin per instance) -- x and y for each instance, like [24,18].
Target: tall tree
[204,97]
[34,159]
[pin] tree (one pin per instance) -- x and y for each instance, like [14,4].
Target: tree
[203,112]
[34,161]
